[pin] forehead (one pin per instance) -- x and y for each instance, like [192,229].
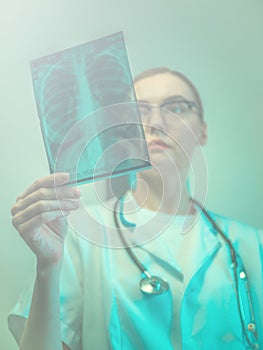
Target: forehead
[158,87]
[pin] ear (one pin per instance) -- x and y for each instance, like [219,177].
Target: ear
[203,134]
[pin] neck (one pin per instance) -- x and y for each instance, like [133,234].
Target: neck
[167,194]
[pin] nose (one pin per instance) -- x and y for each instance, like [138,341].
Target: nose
[155,121]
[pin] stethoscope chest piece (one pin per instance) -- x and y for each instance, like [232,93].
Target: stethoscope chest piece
[154,285]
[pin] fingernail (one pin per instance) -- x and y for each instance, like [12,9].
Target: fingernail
[76,192]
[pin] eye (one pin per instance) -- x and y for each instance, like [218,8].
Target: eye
[179,107]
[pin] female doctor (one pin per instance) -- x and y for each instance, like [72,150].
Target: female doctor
[197,289]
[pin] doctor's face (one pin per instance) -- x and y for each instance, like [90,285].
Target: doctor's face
[171,118]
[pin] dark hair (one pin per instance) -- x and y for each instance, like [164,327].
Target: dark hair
[161,70]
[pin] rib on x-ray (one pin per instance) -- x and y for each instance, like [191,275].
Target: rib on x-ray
[87,107]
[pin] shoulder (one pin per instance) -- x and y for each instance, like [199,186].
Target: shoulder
[237,229]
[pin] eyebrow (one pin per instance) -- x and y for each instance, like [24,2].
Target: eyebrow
[175,98]
[170,99]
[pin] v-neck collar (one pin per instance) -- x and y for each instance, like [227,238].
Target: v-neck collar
[153,246]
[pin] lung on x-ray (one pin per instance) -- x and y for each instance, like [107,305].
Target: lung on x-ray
[88,113]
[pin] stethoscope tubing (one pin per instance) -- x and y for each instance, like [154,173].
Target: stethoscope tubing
[234,266]
[126,246]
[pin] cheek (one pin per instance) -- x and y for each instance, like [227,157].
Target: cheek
[185,137]
[180,134]
[189,133]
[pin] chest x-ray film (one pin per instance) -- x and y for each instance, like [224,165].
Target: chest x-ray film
[88,112]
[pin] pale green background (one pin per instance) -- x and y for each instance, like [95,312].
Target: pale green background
[218,44]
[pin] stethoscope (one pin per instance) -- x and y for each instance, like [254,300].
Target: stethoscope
[155,285]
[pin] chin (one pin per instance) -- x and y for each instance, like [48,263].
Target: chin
[161,164]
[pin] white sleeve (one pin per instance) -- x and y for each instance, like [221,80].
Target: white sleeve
[70,299]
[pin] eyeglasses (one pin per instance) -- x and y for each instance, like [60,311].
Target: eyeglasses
[180,107]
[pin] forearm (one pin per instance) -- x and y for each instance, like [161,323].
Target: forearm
[42,330]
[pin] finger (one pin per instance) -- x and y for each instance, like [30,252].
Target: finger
[42,207]
[52,180]
[45,194]
[29,228]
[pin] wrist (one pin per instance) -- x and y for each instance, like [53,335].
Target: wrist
[45,269]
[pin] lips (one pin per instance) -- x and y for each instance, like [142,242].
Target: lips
[157,143]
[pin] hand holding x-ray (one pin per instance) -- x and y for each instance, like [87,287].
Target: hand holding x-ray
[40,213]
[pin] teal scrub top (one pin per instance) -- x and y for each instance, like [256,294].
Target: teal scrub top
[103,308]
